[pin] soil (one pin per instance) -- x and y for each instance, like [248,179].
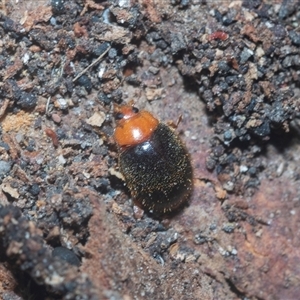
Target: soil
[228,69]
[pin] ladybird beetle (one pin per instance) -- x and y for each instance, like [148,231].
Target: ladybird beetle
[153,160]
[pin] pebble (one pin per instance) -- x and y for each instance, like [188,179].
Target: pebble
[96,119]
[245,55]
[56,118]
[153,70]
[99,50]
[34,189]
[228,186]
[86,82]
[295,37]
[66,255]
[61,103]
[57,6]
[112,53]
[27,100]
[4,167]
[227,135]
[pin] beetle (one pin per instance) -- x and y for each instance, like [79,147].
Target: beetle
[154,161]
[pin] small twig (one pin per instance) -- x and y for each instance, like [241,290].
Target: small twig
[92,64]
[47,105]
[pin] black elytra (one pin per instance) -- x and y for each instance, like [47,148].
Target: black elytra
[158,171]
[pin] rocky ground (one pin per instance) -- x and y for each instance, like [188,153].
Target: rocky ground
[68,226]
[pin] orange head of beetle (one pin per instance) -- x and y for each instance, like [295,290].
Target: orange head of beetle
[133,126]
